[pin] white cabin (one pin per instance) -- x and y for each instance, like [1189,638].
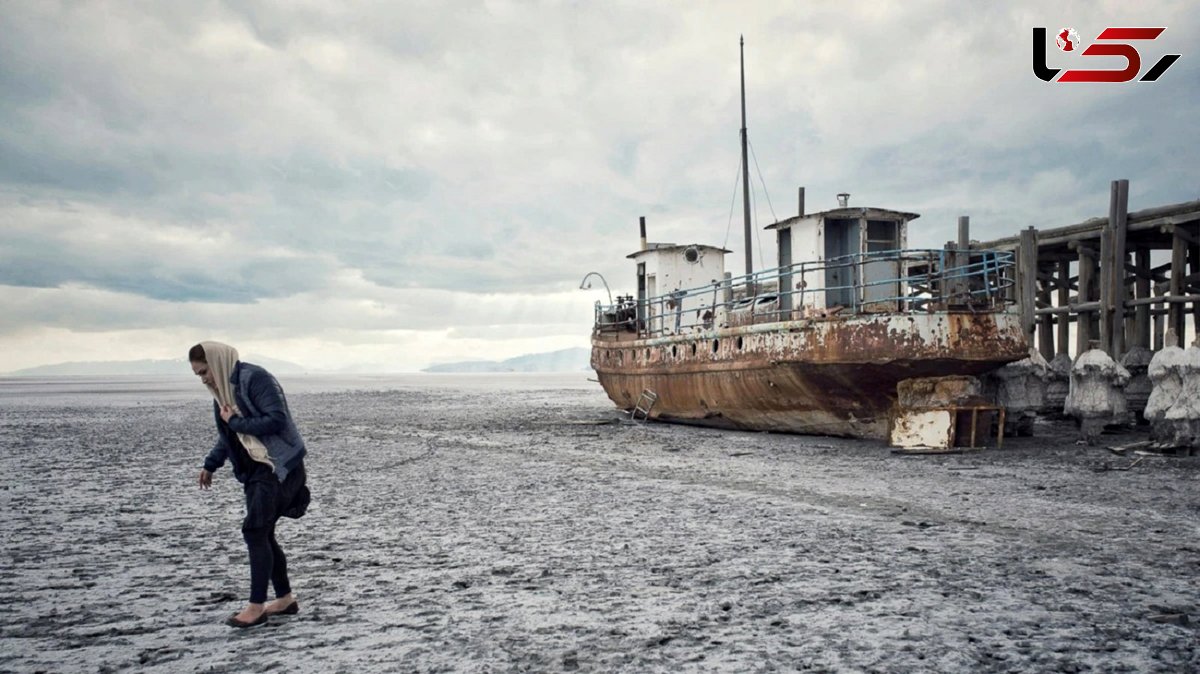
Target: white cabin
[822,238]
[667,269]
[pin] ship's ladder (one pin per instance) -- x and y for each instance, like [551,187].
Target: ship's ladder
[644,404]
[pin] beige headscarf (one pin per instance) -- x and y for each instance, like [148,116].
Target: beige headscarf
[221,360]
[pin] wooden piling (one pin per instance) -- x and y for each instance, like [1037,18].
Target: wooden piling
[1107,286]
[1027,280]
[1194,269]
[1141,261]
[1119,220]
[1083,321]
[1160,330]
[1063,321]
[1102,270]
[1178,269]
[1045,329]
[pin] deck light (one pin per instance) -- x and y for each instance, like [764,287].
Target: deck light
[585,284]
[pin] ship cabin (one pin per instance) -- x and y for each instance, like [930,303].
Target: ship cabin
[845,259]
[836,263]
[668,276]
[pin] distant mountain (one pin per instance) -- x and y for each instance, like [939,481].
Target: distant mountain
[141,368]
[567,360]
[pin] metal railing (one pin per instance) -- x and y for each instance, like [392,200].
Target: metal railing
[894,281]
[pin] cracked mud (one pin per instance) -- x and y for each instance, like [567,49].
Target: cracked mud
[514,524]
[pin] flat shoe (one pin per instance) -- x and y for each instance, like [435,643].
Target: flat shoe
[292,609]
[233,621]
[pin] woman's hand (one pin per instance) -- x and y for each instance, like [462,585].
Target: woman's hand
[227,413]
[205,479]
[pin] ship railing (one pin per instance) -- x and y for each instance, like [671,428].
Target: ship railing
[876,282]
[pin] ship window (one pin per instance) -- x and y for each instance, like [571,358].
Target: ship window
[739,343]
[716,345]
[693,348]
[674,351]
[647,355]
[881,236]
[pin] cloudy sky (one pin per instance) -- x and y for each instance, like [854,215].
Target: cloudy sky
[385,185]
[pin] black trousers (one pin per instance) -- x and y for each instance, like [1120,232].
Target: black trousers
[267,499]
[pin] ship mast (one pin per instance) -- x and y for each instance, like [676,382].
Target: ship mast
[745,165]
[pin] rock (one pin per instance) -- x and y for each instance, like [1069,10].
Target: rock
[1165,372]
[1182,419]
[1058,385]
[1020,388]
[1096,398]
[1172,409]
[1137,391]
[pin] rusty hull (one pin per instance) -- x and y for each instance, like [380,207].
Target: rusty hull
[832,376]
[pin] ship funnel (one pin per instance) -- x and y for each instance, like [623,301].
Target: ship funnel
[843,199]
[642,222]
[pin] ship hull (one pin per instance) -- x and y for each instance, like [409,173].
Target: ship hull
[825,377]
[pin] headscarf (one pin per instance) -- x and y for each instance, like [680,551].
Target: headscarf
[221,359]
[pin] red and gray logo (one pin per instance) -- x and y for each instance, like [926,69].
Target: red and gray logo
[1110,42]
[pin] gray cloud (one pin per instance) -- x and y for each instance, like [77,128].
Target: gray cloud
[243,154]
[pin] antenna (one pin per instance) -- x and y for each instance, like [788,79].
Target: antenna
[745,163]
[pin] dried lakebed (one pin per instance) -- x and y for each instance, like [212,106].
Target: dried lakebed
[494,529]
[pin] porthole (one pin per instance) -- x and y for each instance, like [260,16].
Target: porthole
[693,348]
[716,345]
[739,343]
[674,351]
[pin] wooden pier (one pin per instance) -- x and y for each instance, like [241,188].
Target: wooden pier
[1122,280]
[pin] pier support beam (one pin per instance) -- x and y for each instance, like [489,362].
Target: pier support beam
[1064,298]
[1193,270]
[1142,319]
[1027,280]
[1045,329]
[1107,288]
[1118,222]
[1178,269]
[1083,319]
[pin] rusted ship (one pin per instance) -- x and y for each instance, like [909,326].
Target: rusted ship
[811,347]
[814,345]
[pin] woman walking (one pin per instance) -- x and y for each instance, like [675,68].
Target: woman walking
[256,434]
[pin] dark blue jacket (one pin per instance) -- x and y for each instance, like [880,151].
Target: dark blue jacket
[264,414]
